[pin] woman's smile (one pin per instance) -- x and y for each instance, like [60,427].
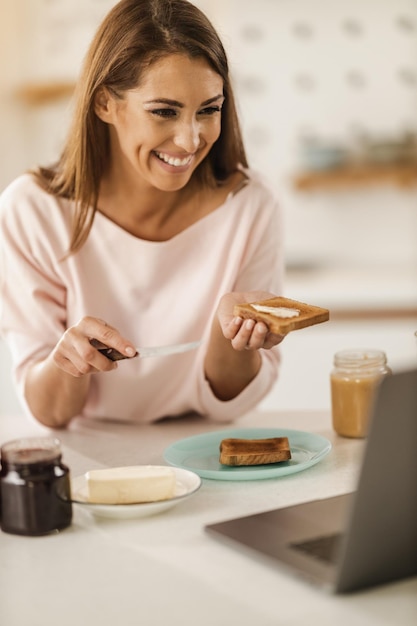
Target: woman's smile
[175,161]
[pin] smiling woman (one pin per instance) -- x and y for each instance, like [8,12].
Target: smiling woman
[157,143]
[151,200]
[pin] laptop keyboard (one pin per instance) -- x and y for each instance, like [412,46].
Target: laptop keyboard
[323,548]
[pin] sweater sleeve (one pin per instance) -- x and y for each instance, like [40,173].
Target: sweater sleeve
[227,411]
[261,268]
[32,294]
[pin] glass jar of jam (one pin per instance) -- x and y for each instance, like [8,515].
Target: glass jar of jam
[354,381]
[35,494]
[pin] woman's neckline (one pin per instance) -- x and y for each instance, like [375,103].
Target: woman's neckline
[188,223]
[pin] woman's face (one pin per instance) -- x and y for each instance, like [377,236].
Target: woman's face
[162,130]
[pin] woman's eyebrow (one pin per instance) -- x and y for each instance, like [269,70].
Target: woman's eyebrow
[180,105]
[211,100]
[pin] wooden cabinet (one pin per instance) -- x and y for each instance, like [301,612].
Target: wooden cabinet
[403,176]
[36,94]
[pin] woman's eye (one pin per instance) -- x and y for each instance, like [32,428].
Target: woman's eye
[210,110]
[164,112]
[172,113]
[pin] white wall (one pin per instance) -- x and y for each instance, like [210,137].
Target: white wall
[331,69]
[40,41]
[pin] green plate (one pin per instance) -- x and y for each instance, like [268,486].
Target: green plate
[200,454]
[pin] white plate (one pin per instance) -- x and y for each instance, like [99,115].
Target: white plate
[186,484]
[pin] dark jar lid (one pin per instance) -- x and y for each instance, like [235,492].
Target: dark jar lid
[31,451]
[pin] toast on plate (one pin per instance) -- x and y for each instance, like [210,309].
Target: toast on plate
[254,451]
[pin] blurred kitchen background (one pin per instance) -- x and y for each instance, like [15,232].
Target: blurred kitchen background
[327,91]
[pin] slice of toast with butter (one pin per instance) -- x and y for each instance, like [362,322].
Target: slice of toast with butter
[282,315]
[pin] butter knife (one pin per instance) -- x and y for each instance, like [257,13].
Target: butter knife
[150,351]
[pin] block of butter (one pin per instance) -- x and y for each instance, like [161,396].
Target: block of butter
[128,485]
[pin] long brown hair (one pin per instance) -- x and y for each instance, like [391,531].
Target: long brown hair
[133,35]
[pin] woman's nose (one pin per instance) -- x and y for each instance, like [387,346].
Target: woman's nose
[188,136]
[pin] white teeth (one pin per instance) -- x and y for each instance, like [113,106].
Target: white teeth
[175,161]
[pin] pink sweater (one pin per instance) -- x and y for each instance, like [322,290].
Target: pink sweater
[154,293]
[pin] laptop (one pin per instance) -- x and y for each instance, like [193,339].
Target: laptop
[357,540]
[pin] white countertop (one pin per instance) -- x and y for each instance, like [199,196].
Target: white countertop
[165,569]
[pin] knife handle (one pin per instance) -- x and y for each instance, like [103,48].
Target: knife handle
[110,353]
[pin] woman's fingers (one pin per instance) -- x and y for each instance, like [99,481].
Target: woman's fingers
[75,355]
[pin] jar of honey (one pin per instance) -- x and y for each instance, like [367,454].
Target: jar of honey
[35,495]
[354,382]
